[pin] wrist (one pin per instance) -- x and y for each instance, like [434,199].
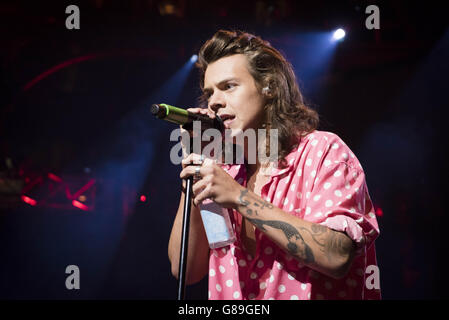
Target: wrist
[239,203]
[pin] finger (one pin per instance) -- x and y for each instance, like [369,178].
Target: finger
[188,127]
[194,158]
[210,113]
[203,195]
[204,111]
[198,186]
[207,161]
[189,171]
[195,110]
[187,160]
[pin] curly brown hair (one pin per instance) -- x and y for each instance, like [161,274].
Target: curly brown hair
[285,109]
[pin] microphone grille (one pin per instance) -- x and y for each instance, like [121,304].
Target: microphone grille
[155,109]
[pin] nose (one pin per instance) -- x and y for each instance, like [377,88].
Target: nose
[216,101]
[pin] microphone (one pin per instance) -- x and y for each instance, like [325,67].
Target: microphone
[185,118]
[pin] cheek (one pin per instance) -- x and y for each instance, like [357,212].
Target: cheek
[249,108]
[256,110]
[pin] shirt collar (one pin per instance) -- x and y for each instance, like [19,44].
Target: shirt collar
[273,169]
[291,159]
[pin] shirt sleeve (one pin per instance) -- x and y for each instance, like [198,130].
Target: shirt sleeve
[339,199]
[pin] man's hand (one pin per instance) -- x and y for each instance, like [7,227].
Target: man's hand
[212,183]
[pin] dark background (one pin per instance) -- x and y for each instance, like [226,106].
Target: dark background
[74,103]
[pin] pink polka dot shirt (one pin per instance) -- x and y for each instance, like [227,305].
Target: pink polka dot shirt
[323,183]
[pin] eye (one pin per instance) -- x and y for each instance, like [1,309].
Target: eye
[229,85]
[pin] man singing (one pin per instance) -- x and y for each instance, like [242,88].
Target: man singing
[304,222]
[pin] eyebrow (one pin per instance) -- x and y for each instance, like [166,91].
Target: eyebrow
[208,89]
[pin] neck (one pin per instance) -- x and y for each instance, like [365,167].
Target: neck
[251,167]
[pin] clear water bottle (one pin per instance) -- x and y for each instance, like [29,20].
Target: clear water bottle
[217,224]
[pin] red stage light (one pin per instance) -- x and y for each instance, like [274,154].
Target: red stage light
[54,177]
[58,67]
[80,205]
[379,212]
[28,200]
[143,198]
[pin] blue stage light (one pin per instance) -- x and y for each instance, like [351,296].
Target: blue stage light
[194,58]
[339,34]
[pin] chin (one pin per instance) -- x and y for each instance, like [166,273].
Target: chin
[233,132]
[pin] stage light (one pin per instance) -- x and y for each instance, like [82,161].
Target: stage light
[143,198]
[79,205]
[54,177]
[28,200]
[339,34]
[194,58]
[379,212]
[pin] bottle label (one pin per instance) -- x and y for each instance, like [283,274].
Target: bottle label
[214,223]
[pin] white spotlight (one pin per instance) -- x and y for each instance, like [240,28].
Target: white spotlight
[339,34]
[194,58]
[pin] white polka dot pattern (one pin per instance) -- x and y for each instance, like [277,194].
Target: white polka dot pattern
[324,184]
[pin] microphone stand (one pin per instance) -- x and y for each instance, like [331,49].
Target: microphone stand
[186,224]
[184,239]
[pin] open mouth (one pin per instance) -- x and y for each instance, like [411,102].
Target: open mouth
[227,119]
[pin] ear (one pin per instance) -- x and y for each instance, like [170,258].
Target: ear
[267,92]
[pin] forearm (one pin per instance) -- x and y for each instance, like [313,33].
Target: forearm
[198,247]
[318,247]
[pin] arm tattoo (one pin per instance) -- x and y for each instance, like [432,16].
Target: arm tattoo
[291,233]
[330,242]
[260,205]
[301,249]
